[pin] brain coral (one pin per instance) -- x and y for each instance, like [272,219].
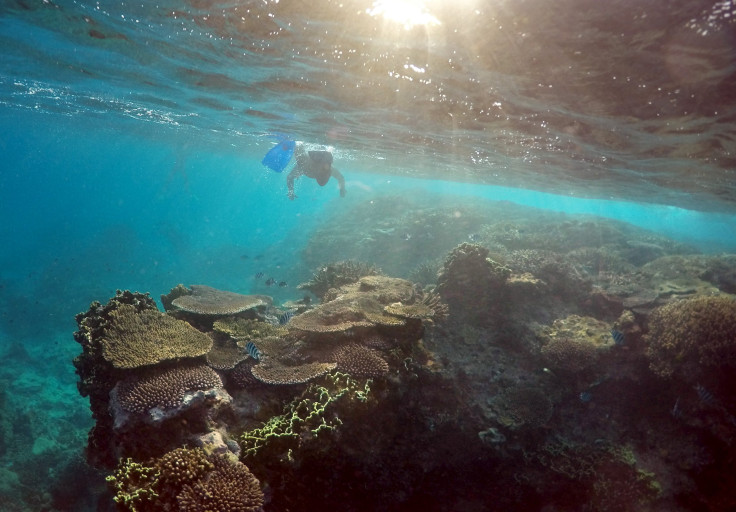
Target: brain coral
[230,487]
[166,388]
[692,336]
[574,343]
[359,361]
[139,338]
[182,466]
[186,480]
[241,376]
[570,354]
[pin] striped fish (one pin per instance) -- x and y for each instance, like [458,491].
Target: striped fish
[706,397]
[618,336]
[284,319]
[253,351]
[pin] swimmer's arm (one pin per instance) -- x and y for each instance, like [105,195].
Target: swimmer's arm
[294,174]
[340,180]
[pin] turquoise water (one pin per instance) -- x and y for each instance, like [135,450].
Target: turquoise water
[132,137]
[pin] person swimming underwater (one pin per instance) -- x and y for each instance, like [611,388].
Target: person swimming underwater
[316,165]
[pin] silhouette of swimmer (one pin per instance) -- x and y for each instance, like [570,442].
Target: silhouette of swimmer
[316,165]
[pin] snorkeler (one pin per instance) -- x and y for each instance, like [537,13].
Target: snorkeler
[314,164]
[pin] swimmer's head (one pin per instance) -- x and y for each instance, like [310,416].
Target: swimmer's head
[321,163]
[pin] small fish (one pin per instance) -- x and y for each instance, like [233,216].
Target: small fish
[676,412]
[283,284]
[284,319]
[618,336]
[270,281]
[474,237]
[244,256]
[406,236]
[253,351]
[706,397]
[586,396]
[258,275]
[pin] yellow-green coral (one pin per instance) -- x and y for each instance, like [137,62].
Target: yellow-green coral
[186,479]
[306,416]
[139,338]
[692,336]
[133,485]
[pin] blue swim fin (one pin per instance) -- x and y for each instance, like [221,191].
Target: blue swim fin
[278,156]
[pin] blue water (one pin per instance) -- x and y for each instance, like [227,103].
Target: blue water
[133,162]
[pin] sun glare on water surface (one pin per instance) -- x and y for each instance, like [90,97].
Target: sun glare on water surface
[409,13]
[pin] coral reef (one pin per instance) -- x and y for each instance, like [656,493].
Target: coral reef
[272,371]
[359,361]
[357,306]
[607,476]
[504,384]
[242,377]
[142,367]
[186,480]
[574,344]
[244,330]
[693,338]
[205,300]
[472,284]
[522,407]
[229,487]
[306,417]
[335,275]
[140,338]
[225,353]
[168,388]
[425,273]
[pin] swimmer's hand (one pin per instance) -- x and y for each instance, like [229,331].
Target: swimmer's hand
[342,192]
[291,195]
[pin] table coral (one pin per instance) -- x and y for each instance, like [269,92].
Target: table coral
[225,354]
[208,301]
[358,305]
[244,330]
[139,338]
[336,275]
[272,371]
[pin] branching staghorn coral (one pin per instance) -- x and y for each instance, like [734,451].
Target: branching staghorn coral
[307,416]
